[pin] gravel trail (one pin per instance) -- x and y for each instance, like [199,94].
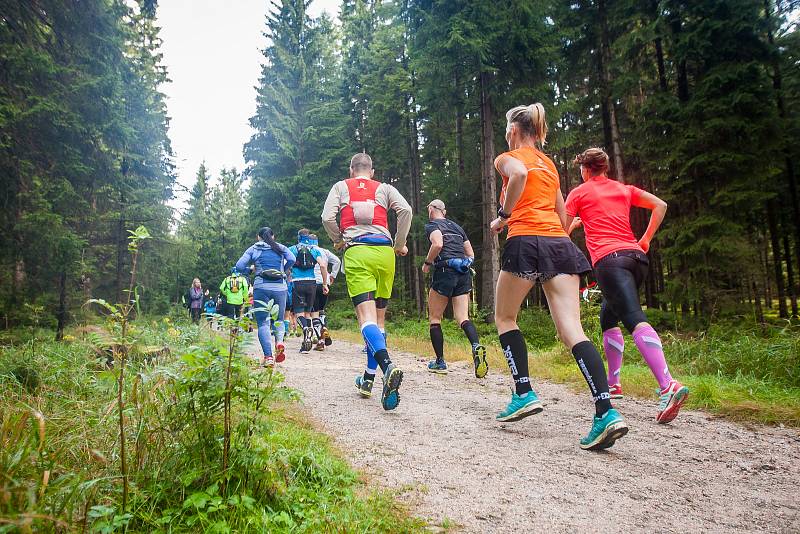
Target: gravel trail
[448,458]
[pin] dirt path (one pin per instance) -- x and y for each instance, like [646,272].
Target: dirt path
[449,458]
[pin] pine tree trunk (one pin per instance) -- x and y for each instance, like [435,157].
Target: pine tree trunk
[766,275]
[759,313]
[792,290]
[415,175]
[791,179]
[662,76]
[490,249]
[120,264]
[460,129]
[777,260]
[682,74]
[62,305]
[605,66]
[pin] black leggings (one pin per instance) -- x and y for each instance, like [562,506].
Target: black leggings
[620,274]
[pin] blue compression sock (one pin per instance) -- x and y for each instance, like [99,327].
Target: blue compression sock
[375,341]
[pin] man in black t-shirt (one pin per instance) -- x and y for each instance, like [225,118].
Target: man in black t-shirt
[450,258]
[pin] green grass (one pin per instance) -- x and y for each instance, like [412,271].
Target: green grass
[732,369]
[59,463]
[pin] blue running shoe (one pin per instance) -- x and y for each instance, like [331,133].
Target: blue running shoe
[392,379]
[605,431]
[520,407]
[437,367]
[364,386]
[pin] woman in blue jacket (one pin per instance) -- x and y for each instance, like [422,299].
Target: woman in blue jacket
[273,262]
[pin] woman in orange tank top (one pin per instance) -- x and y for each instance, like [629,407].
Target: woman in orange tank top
[538,250]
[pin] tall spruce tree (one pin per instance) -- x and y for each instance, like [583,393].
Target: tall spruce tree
[300,147]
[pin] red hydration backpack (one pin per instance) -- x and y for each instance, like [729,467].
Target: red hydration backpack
[363,209]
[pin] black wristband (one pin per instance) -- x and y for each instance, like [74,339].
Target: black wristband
[428,263]
[502,214]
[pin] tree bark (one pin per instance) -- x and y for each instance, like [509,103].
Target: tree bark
[460,128]
[415,175]
[662,76]
[605,71]
[791,180]
[777,261]
[792,290]
[490,250]
[62,305]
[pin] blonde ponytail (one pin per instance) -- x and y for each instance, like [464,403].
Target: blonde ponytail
[530,119]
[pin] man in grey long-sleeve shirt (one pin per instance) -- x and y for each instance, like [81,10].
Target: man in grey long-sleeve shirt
[363,205]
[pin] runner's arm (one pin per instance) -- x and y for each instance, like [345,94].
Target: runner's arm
[329,212]
[243,264]
[323,270]
[437,242]
[517,178]
[334,262]
[468,251]
[289,260]
[561,210]
[403,210]
[658,208]
[571,209]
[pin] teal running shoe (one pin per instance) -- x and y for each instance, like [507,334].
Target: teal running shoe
[479,360]
[437,367]
[520,407]
[392,379]
[364,386]
[605,431]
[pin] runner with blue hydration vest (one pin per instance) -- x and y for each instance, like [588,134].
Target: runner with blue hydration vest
[307,257]
[450,258]
[273,262]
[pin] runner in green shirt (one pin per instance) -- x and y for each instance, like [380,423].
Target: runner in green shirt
[234,288]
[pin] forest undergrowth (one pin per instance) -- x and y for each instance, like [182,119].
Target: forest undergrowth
[736,370]
[270,471]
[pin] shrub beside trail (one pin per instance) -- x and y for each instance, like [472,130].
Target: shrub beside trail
[59,443]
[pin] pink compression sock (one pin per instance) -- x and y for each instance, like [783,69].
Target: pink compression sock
[613,346]
[649,344]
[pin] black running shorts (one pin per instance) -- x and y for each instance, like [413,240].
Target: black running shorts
[451,283]
[540,258]
[305,292]
[321,300]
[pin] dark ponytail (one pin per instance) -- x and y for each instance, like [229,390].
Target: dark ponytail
[268,236]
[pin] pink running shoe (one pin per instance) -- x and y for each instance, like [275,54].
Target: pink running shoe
[615,390]
[672,398]
[280,352]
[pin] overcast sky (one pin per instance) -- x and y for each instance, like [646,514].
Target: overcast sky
[212,52]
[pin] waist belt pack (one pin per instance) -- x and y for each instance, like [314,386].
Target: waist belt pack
[461,265]
[271,275]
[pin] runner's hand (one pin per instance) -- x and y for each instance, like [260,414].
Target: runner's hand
[401,251]
[644,244]
[498,224]
[325,289]
[426,268]
[339,245]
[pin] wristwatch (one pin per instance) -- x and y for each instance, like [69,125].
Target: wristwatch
[428,263]
[502,214]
